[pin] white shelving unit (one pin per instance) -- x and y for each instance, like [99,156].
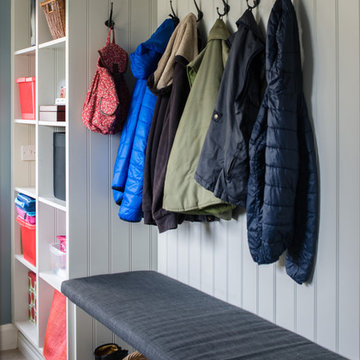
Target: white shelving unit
[98,242]
[46,61]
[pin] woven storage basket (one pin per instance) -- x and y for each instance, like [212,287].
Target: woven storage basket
[135,356]
[54,11]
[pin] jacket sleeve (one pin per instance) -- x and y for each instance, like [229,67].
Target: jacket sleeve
[300,255]
[130,209]
[126,142]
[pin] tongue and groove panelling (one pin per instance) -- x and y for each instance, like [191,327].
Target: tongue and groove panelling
[215,258]
[100,242]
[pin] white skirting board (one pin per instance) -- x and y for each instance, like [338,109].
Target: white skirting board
[8,337]
[27,349]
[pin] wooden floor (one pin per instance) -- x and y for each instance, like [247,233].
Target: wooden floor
[12,355]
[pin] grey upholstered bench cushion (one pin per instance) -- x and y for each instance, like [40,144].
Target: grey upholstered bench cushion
[167,320]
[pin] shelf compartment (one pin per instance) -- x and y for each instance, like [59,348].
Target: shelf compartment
[51,75]
[52,279]
[29,330]
[29,191]
[46,167]
[21,304]
[26,51]
[22,19]
[53,123]
[52,223]
[53,44]
[24,171]
[26,263]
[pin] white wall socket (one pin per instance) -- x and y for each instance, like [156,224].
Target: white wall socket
[28,152]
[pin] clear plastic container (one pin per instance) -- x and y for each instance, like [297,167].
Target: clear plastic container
[58,260]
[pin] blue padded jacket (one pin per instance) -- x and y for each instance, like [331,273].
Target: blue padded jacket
[282,201]
[128,176]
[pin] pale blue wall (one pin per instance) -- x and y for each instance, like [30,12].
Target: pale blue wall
[5,206]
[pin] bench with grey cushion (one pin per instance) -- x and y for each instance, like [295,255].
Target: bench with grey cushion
[167,320]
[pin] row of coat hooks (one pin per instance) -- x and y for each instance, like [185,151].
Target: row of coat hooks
[110,22]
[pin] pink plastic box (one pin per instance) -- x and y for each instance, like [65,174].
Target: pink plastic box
[27,97]
[31,219]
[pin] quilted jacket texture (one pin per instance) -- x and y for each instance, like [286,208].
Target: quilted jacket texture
[128,175]
[223,167]
[282,202]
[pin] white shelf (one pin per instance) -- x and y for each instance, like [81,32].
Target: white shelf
[53,44]
[29,191]
[29,330]
[54,202]
[52,279]
[53,123]
[25,122]
[27,51]
[26,263]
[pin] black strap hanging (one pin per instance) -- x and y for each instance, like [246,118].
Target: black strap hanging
[110,23]
[173,14]
[200,13]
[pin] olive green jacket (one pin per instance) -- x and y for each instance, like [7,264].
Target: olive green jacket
[182,193]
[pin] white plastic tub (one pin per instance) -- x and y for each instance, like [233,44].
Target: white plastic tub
[58,260]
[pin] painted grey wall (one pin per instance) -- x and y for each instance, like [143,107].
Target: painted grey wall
[5,215]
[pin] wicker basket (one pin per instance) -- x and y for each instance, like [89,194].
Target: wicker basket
[54,11]
[135,356]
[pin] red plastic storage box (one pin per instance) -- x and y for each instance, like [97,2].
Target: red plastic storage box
[27,97]
[28,240]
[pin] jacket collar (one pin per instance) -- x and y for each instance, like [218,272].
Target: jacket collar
[248,20]
[219,31]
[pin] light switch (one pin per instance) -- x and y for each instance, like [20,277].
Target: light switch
[28,153]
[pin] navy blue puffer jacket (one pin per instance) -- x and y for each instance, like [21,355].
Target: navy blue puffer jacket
[128,175]
[282,202]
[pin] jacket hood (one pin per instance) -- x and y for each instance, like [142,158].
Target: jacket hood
[147,55]
[183,42]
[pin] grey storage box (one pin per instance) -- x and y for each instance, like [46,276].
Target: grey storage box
[59,165]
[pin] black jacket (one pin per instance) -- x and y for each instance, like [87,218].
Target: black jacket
[170,105]
[223,166]
[282,202]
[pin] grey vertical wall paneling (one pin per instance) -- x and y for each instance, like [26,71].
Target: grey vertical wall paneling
[78,243]
[114,245]
[5,168]
[327,309]
[326,123]
[306,10]
[349,184]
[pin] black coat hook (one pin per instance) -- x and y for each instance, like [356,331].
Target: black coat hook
[226,9]
[110,23]
[173,14]
[200,13]
[255,4]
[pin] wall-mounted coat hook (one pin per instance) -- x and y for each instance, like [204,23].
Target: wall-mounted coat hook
[226,9]
[200,13]
[173,14]
[255,4]
[110,23]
